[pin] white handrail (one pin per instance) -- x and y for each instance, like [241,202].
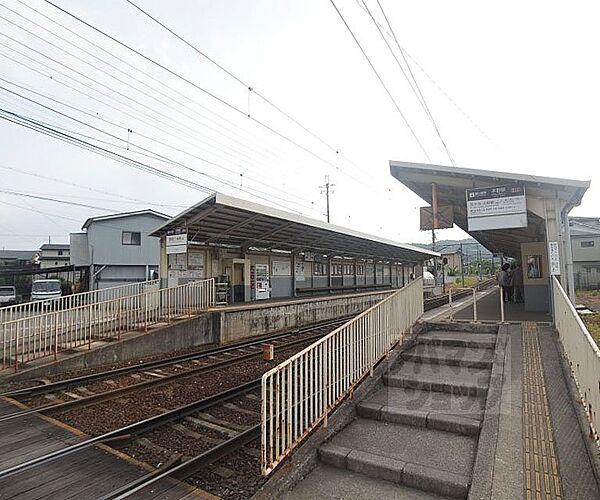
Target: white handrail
[34,307]
[298,394]
[47,333]
[582,352]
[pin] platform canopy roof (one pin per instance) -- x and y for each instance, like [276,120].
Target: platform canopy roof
[222,220]
[451,183]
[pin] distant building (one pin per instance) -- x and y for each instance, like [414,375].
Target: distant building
[585,244]
[54,255]
[117,249]
[17,259]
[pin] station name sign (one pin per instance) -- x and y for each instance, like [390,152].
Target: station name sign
[497,207]
[177,243]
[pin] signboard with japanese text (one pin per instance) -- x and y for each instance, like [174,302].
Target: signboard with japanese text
[554,258]
[498,207]
[176,243]
[299,271]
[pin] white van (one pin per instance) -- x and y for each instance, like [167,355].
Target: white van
[46,290]
[8,296]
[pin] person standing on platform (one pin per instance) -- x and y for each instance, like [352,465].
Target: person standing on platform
[517,282]
[504,281]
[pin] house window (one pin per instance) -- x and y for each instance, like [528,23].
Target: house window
[360,269]
[60,252]
[587,244]
[336,269]
[131,238]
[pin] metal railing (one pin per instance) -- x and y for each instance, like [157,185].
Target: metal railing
[298,394]
[35,307]
[47,333]
[472,290]
[582,352]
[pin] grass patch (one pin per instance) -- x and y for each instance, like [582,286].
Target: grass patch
[470,282]
[592,323]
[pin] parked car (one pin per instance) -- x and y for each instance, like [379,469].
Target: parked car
[46,290]
[8,296]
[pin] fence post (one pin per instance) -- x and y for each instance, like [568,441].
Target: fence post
[474,304]
[501,288]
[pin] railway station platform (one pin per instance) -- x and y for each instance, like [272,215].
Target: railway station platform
[219,325]
[463,414]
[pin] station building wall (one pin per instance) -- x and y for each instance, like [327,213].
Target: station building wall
[288,276]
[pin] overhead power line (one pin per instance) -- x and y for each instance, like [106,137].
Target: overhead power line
[412,82]
[381,82]
[149,138]
[203,90]
[44,198]
[71,139]
[251,88]
[438,86]
[127,199]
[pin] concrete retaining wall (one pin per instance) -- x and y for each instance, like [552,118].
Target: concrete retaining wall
[234,324]
[219,326]
[174,337]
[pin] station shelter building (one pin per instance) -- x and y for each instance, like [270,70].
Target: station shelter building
[265,253]
[521,217]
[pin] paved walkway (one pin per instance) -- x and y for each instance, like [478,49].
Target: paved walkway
[488,309]
[464,415]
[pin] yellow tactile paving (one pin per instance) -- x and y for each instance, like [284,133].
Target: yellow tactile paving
[542,478]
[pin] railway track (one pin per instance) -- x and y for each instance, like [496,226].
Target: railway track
[440,300]
[206,438]
[79,392]
[189,433]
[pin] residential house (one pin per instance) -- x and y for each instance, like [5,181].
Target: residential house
[117,248]
[585,244]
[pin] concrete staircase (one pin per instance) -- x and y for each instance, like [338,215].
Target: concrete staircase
[421,429]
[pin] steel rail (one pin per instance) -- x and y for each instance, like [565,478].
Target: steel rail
[95,377]
[433,302]
[188,468]
[140,427]
[152,383]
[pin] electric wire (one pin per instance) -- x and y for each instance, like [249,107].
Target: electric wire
[251,88]
[412,83]
[129,142]
[153,154]
[380,81]
[126,199]
[111,75]
[149,76]
[437,85]
[204,90]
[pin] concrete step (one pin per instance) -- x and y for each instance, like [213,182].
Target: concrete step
[422,458]
[331,483]
[430,402]
[418,418]
[441,378]
[470,357]
[462,339]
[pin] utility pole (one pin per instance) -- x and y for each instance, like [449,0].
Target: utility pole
[327,189]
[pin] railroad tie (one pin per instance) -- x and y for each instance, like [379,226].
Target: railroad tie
[225,423]
[214,427]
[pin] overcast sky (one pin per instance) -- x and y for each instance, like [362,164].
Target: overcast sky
[512,86]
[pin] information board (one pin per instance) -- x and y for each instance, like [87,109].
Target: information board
[554,258]
[281,268]
[498,207]
[176,243]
